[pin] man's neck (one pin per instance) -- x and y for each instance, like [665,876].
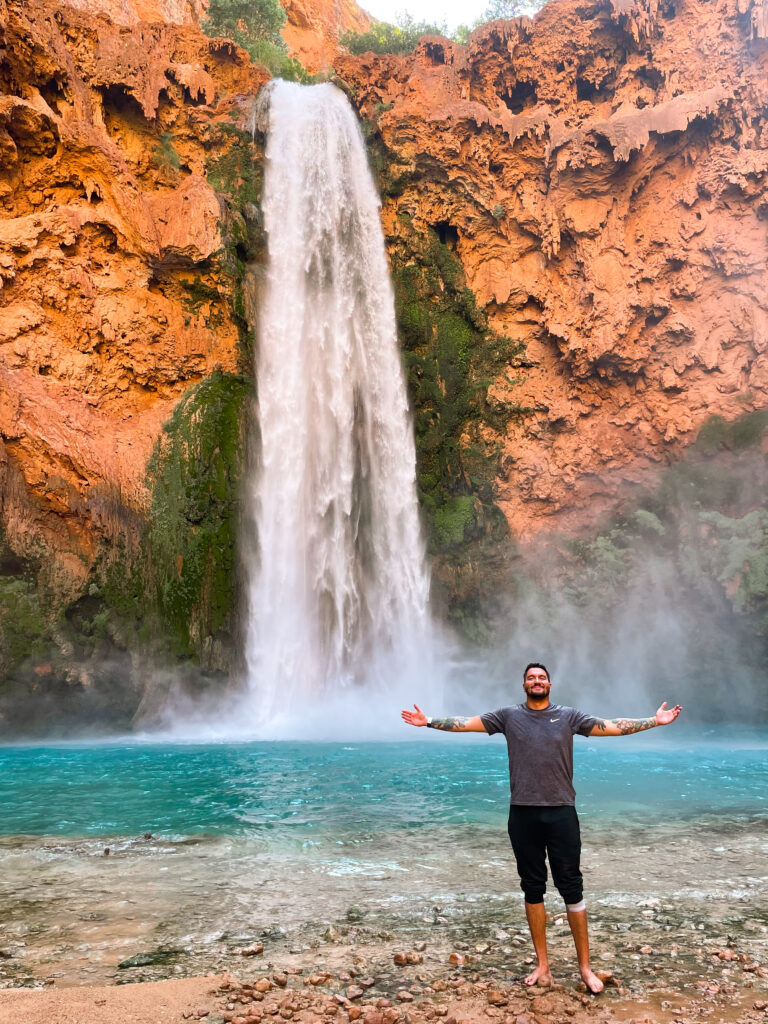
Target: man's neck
[537,705]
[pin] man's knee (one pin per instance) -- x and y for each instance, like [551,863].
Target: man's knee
[533,890]
[571,887]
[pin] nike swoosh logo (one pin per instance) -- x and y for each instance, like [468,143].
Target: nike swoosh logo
[554,719]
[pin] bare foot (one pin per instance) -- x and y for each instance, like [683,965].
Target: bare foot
[591,980]
[542,977]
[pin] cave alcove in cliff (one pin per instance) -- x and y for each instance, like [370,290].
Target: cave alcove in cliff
[118,100]
[435,52]
[447,233]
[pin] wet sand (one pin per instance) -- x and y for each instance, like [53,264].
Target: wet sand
[153,1002]
[158,909]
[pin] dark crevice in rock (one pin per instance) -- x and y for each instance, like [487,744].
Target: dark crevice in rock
[447,233]
[521,96]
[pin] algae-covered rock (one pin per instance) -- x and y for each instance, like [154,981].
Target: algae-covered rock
[451,359]
[195,473]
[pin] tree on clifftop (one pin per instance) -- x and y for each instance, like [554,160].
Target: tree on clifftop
[246,21]
[382,37]
[255,25]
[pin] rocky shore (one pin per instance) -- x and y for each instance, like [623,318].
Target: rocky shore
[373,985]
[351,972]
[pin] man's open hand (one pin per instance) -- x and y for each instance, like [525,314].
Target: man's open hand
[664,716]
[416,717]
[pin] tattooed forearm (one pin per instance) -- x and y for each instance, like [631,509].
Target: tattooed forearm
[448,724]
[625,726]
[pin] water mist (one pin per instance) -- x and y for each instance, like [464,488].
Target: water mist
[337,591]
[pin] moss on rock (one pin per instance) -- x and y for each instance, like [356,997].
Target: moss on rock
[167,582]
[236,174]
[195,472]
[23,624]
[163,589]
[745,431]
[451,359]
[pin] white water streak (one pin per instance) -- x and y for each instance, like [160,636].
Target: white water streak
[338,590]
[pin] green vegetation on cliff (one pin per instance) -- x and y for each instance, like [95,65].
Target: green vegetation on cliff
[236,175]
[451,359]
[402,37]
[673,591]
[383,37]
[255,25]
[163,587]
[706,520]
[23,623]
[195,472]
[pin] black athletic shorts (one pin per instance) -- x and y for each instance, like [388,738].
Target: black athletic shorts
[552,831]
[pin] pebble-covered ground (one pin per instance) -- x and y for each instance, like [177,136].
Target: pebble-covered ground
[352,975]
[412,986]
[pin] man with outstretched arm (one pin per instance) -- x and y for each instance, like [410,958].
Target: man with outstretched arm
[542,816]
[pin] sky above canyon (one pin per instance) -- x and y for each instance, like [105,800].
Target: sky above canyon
[452,12]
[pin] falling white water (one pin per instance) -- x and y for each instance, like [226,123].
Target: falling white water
[337,592]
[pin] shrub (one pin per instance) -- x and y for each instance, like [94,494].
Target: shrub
[402,37]
[452,519]
[498,10]
[507,9]
[382,37]
[246,21]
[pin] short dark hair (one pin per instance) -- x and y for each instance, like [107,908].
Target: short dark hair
[536,664]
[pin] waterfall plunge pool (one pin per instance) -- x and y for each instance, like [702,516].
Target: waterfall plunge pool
[386,842]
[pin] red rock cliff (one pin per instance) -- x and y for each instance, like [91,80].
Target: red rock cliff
[131,12]
[108,226]
[311,32]
[602,172]
[314,27]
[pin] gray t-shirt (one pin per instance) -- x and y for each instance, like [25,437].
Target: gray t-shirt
[540,745]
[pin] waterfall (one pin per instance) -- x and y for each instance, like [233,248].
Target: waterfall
[337,590]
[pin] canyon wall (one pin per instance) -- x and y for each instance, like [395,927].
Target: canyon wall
[311,32]
[576,209]
[127,179]
[601,173]
[313,29]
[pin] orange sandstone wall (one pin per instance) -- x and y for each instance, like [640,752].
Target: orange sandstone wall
[311,32]
[131,12]
[108,221]
[602,173]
